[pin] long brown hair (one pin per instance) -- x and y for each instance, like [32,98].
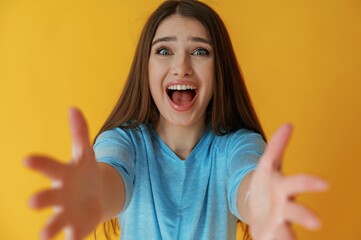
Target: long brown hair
[230,108]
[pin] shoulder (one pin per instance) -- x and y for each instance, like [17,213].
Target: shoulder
[246,136]
[242,142]
[112,134]
[118,134]
[242,137]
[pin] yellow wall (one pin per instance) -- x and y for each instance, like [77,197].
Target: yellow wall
[301,60]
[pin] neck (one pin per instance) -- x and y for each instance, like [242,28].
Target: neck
[181,139]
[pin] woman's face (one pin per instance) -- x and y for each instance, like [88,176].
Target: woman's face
[181,71]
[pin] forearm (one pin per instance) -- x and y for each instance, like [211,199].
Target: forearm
[113,191]
[242,197]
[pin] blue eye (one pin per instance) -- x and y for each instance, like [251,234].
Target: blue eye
[201,51]
[163,51]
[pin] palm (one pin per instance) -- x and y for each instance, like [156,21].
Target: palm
[271,202]
[76,190]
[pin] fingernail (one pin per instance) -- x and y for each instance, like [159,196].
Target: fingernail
[44,235]
[323,185]
[314,223]
[71,111]
[26,161]
[31,202]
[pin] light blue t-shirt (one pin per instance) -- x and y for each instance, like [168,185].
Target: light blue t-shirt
[170,198]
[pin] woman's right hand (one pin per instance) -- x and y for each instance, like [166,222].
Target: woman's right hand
[76,191]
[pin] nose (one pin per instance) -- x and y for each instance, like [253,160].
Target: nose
[182,66]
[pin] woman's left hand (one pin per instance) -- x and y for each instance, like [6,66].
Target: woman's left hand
[271,205]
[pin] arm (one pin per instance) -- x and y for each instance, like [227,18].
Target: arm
[83,192]
[243,195]
[266,198]
[113,192]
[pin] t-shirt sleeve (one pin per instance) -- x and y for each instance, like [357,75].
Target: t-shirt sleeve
[114,147]
[244,151]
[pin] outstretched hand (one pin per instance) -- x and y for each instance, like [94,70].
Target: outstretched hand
[76,187]
[271,205]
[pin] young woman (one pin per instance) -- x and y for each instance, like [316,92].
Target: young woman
[182,155]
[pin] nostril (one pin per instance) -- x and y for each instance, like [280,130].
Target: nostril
[182,70]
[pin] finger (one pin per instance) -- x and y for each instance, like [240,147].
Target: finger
[301,215]
[303,183]
[46,198]
[45,165]
[79,133]
[55,224]
[71,234]
[272,157]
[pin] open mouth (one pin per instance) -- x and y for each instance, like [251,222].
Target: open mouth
[181,94]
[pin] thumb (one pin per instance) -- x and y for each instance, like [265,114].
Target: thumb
[272,158]
[79,134]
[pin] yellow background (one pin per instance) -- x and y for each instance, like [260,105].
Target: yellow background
[301,61]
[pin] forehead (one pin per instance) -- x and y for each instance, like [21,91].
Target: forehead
[176,25]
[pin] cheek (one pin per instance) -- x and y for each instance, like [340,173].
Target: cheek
[150,71]
[207,68]
[208,74]
[211,83]
[155,83]
[154,89]
[155,72]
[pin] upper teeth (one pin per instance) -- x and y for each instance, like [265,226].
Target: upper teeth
[181,87]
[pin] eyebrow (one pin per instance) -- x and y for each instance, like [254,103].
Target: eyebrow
[169,39]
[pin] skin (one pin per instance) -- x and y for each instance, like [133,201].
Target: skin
[265,197]
[270,208]
[181,52]
[78,207]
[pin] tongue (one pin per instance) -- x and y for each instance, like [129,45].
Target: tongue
[182,97]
